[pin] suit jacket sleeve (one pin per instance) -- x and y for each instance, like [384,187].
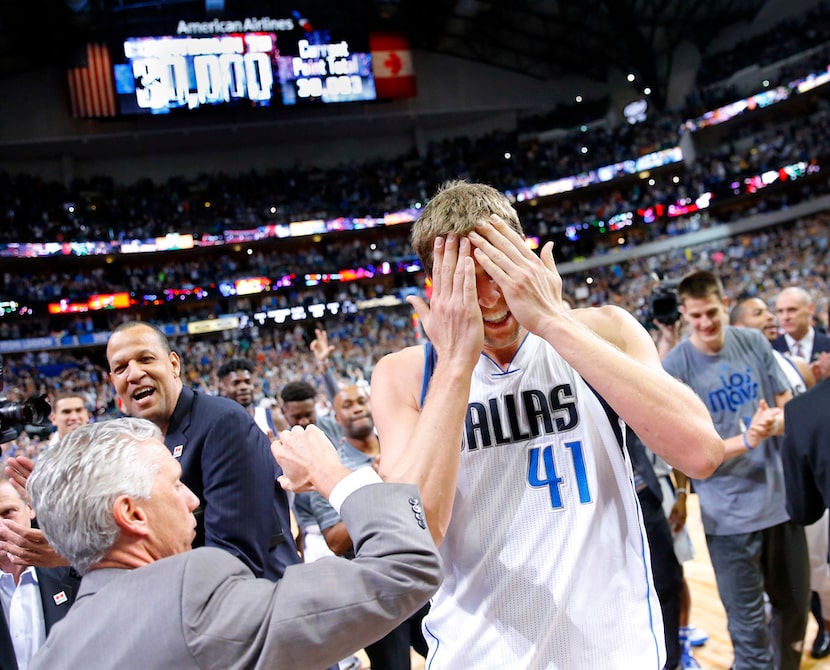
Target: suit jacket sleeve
[805,455]
[318,612]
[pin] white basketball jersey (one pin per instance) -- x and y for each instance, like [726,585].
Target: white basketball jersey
[262,418]
[793,374]
[546,562]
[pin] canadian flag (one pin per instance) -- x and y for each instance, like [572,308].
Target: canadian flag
[392,65]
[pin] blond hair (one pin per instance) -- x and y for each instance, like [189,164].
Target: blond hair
[457,207]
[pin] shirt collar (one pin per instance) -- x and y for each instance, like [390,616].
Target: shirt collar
[806,342]
[33,577]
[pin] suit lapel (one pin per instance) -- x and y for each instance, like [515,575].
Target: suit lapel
[58,587]
[176,437]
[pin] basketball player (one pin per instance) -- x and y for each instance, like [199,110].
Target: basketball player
[529,488]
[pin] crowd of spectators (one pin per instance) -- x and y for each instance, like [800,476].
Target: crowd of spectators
[772,145]
[98,208]
[755,264]
[787,38]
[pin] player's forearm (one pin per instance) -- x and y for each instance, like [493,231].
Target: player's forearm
[431,456]
[667,415]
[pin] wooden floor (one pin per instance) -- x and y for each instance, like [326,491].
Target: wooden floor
[707,611]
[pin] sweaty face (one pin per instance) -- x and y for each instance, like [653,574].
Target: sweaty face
[146,377]
[299,412]
[353,411]
[706,317]
[69,414]
[238,386]
[169,510]
[502,333]
[794,315]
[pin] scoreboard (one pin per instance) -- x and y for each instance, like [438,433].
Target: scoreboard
[326,72]
[252,62]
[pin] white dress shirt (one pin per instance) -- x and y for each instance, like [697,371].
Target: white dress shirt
[23,610]
[806,344]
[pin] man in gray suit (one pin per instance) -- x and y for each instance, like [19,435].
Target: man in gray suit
[109,497]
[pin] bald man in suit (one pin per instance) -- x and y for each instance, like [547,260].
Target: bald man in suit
[795,310]
[148,601]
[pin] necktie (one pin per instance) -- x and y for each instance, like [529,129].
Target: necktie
[797,351]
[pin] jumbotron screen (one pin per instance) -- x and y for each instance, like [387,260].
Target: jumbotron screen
[244,63]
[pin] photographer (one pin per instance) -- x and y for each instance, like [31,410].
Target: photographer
[664,312]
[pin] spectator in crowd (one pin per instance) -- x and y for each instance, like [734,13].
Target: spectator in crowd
[34,598]
[298,402]
[111,497]
[68,413]
[754,547]
[322,351]
[236,382]
[298,406]
[224,455]
[519,385]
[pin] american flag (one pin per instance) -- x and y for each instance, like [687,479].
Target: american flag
[91,85]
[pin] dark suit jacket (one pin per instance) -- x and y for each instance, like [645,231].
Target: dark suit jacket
[821,342]
[806,454]
[58,587]
[202,610]
[226,460]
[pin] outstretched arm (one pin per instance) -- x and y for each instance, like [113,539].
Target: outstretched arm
[322,350]
[607,346]
[422,445]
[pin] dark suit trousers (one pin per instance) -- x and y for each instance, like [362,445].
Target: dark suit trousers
[391,652]
[667,573]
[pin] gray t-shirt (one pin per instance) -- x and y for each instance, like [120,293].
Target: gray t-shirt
[746,493]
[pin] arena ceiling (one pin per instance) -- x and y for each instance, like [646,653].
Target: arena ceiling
[545,39]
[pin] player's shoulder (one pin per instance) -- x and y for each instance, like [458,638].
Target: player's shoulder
[404,357]
[399,365]
[610,322]
[599,314]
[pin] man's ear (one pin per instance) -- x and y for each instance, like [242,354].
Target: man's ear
[176,362]
[129,515]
